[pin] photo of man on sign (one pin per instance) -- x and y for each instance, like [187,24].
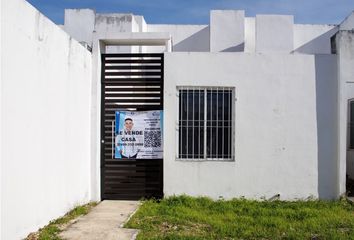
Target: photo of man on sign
[128,140]
[138,134]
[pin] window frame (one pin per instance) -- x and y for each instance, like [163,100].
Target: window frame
[349,122]
[233,125]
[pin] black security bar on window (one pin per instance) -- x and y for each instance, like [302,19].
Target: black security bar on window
[206,123]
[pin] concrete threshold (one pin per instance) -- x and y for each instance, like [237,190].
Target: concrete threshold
[105,221]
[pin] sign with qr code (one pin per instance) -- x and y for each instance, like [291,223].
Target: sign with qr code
[138,134]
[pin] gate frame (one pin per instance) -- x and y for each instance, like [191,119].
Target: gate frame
[98,48]
[149,164]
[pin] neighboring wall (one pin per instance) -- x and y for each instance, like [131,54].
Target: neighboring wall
[83,24]
[185,38]
[109,24]
[276,130]
[45,121]
[80,24]
[274,33]
[313,39]
[345,51]
[228,31]
[326,113]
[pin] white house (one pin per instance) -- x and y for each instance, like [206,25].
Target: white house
[253,107]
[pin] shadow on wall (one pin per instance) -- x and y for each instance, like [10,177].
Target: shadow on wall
[326,105]
[317,45]
[198,42]
[238,48]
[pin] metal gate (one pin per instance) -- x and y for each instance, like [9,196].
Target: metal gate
[131,81]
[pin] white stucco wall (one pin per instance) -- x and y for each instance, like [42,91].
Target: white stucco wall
[140,20]
[276,125]
[185,38]
[274,33]
[80,24]
[45,121]
[345,53]
[250,35]
[113,22]
[348,23]
[326,113]
[84,24]
[142,28]
[108,24]
[227,30]
[313,39]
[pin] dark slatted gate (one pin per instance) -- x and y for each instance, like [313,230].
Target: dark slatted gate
[129,82]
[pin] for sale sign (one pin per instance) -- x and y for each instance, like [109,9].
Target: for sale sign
[138,134]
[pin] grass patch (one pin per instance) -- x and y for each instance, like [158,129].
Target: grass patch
[52,230]
[186,217]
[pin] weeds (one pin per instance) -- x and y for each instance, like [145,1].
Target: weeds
[186,217]
[52,230]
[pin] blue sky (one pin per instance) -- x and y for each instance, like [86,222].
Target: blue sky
[197,11]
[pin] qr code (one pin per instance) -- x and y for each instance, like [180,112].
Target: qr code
[152,139]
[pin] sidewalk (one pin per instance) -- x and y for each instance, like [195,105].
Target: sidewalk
[105,221]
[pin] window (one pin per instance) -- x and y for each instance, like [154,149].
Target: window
[205,125]
[351,125]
